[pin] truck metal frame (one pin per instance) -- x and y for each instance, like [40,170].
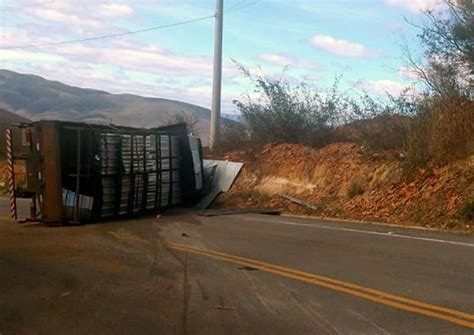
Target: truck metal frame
[80,172]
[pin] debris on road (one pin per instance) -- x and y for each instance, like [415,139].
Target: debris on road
[225,308]
[219,177]
[298,201]
[230,211]
[247,268]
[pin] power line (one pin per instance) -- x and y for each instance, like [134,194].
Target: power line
[241,5]
[234,8]
[108,36]
[235,5]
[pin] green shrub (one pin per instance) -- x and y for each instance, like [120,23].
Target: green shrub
[467,210]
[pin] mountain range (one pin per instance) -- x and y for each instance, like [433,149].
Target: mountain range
[34,97]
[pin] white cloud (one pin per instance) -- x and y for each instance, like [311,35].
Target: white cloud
[343,48]
[415,6]
[49,14]
[122,53]
[276,59]
[151,59]
[293,62]
[72,16]
[382,87]
[116,9]
[408,73]
[19,55]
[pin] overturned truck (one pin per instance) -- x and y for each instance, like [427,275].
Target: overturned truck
[78,172]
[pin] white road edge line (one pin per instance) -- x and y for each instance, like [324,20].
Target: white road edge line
[370,232]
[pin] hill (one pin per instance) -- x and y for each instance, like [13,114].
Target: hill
[37,98]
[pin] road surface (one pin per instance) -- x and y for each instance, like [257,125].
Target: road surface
[240,274]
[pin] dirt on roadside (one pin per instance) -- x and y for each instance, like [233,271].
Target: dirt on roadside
[91,279]
[345,180]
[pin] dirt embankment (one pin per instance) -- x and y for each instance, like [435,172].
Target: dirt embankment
[347,181]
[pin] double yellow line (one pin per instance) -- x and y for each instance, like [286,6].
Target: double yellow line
[392,300]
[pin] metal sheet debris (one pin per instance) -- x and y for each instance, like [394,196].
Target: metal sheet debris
[219,177]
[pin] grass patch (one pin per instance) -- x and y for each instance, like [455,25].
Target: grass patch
[336,211]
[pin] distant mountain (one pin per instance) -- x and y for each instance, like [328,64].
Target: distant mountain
[37,98]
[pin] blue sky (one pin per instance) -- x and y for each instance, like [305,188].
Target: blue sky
[317,39]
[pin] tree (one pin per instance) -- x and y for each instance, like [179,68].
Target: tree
[447,37]
[443,129]
[190,119]
[279,111]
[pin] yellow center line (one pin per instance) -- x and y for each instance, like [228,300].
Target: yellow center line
[340,282]
[403,303]
[381,297]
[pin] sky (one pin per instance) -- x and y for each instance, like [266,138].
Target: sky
[316,40]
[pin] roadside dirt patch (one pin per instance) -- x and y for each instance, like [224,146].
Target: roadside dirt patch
[348,181]
[82,279]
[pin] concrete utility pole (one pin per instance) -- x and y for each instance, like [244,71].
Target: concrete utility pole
[217,78]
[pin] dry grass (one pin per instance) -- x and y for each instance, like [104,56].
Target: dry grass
[442,133]
[383,132]
[233,137]
[439,130]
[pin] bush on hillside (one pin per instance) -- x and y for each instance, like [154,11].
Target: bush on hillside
[288,113]
[467,210]
[233,136]
[442,132]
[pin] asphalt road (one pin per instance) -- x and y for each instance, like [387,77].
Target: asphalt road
[239,274]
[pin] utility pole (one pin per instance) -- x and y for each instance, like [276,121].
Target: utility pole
[217,78]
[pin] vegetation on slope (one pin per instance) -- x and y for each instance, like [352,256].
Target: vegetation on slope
[406,159]
[433,125]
